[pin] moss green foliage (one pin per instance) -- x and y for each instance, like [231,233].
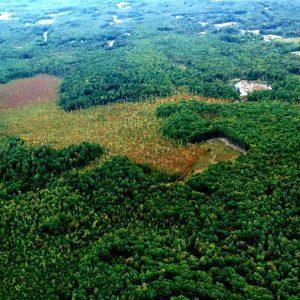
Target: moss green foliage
[196,122]
[157,48]
[25,168]
[122,231]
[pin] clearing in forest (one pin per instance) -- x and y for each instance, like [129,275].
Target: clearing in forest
[129,129]
[290,40]
[297,53]
[29,90]
[245,87]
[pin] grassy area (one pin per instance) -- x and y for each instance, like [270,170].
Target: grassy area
[130,129]
[290,40]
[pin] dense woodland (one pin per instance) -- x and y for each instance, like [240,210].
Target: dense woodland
[128,231]
[156,48]
[123,230]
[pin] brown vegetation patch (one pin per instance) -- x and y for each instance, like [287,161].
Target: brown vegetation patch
[189,97]
[29,90]
[129,129]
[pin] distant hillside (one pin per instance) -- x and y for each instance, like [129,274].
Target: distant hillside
[110,52]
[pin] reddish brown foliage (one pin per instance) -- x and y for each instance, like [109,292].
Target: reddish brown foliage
[127,260]
[29,90]
[187,97]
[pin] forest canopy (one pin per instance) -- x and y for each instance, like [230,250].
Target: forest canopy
[79,223]
[109,53]
[121,231]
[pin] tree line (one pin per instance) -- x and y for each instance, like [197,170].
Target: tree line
[121,230]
